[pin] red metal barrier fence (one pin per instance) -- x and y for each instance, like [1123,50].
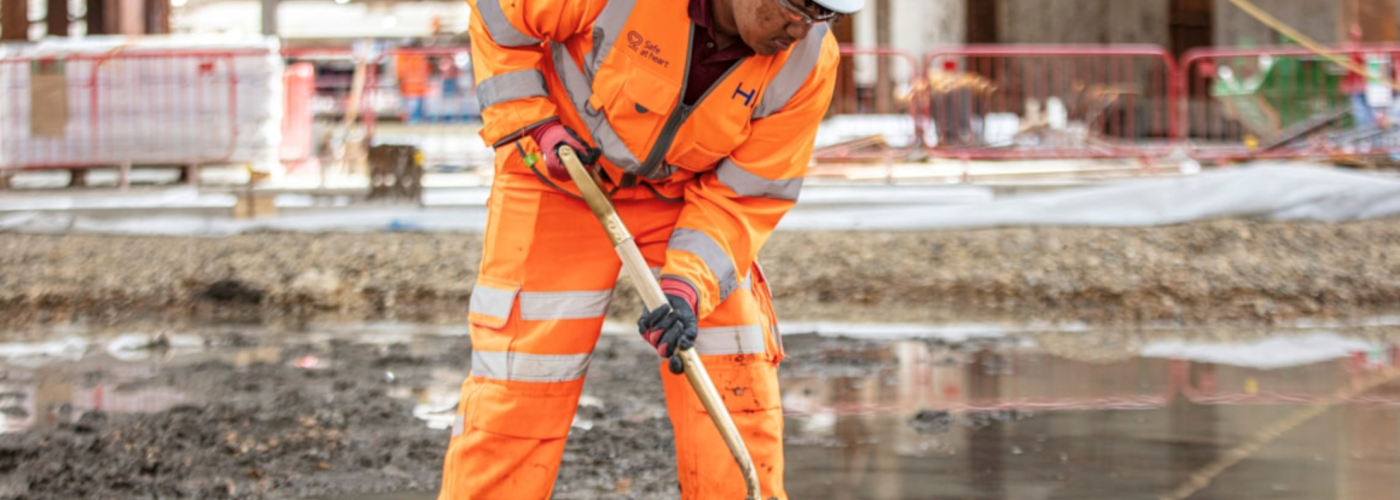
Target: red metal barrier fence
[191,107]
[871,115]
[1036,102]
[148,107]
[1286,102]
[419,96]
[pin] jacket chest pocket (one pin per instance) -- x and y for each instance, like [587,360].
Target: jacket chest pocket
[707,139]
[635,101]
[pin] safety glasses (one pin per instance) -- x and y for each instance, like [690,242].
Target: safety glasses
[796,14]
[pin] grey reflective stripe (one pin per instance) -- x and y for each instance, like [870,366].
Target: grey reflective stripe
[459,425]
[746,339]
[747,284]
[523,367]
[656,272]
[543,306]
[491,301]
[700,244]
[502,32]
[746,183]
[579,89]
[511,86]
[606,29]
[796,69]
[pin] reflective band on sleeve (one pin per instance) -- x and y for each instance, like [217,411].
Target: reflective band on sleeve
[606,29]
[747,339]
[701,245]
[511,86]
[521,367]
[544,306]
[459,425]
[492,302]
[746,183]
[502,32]
[795,71]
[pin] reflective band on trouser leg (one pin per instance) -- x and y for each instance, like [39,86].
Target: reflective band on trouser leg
[718,341]
[535,317]
[741,355]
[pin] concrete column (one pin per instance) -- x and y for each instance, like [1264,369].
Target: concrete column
[131,17]
[96,17]
[157,17]
[269,17]
[56,20]
[982,19]
[14,20]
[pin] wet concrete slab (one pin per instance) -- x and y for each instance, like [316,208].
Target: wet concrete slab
[1301,415]
[941,422]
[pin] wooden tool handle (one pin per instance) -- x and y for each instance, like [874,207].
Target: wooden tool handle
[636,268]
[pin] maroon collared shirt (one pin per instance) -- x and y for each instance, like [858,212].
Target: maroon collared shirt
[707,61]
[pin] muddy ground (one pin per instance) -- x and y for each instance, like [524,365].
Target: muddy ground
[273,430]
[1218,272]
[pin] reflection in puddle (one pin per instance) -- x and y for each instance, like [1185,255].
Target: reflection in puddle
[1015,422]
[50,383]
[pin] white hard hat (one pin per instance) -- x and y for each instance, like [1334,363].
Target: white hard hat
[841,6]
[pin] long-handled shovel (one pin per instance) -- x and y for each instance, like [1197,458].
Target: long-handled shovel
[636,267]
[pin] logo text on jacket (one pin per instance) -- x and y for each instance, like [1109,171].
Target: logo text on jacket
[746,94]
[646,48]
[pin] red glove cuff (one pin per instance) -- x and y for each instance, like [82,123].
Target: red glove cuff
[673,286]
[537,132]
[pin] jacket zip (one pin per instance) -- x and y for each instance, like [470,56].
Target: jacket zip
[681,112]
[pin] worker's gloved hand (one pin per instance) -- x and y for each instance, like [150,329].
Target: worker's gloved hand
[550,136]
[672,326]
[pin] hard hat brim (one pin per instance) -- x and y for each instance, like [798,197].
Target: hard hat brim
[841,6]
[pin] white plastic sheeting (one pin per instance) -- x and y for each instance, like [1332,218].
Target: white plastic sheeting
[149,100]
[1274,191]
[1282,192]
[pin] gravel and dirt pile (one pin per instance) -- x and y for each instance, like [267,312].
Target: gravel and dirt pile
[1217,272]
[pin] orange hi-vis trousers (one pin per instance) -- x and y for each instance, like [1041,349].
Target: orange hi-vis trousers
[547,275]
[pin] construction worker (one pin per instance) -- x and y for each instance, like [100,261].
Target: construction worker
[701,117]
[1353,85]
[411,69]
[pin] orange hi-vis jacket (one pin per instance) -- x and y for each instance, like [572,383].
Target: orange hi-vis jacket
[412,72]
[614,71]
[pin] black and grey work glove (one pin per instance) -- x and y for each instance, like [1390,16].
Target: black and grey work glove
[670,327]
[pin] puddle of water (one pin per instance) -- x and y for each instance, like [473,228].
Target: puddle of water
[930,422]
[53,382]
